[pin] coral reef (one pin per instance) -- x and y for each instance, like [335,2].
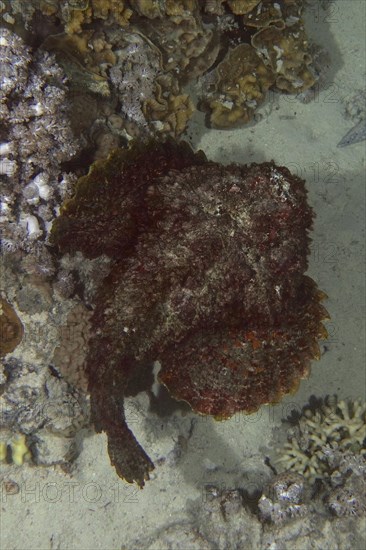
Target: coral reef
[199,281]
[82,12]
[289,495]
[36,403]
[224,518]
[77,274]
[277,54]
[295,515]
[332,423]
[286,511]
[242,81]
[348,481]
[134,74]
[144,53]
[35,139]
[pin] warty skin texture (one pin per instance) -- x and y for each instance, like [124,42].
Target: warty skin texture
[208,278]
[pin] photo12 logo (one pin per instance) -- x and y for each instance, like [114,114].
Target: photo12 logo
[72,492]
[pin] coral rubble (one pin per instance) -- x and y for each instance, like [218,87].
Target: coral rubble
[208,277]
[35,139]
[37,404]
[283,498]
[286,517]
[347,483]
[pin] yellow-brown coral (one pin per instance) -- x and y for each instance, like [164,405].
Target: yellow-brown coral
[243,80]
[11,329]
[179,7]
[77,13]
[184,42]
[147,8]
[285,51]
[268,13]
[249,45]
[170,110]
[240,7]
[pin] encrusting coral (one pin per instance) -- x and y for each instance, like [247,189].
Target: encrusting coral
[283,498]
[208,277]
